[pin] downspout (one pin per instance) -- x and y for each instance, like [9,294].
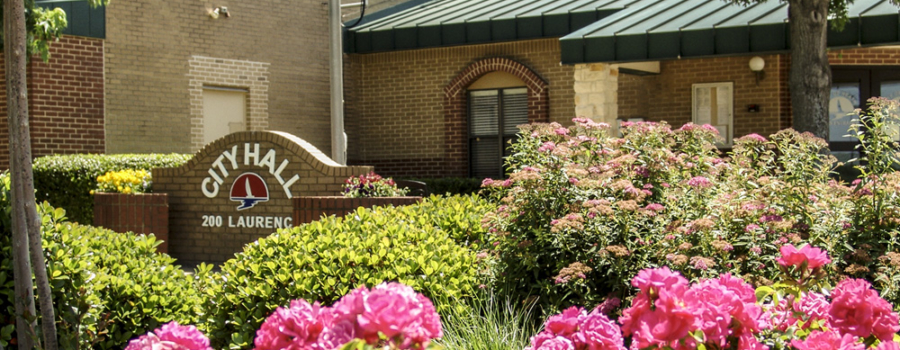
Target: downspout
[338,138]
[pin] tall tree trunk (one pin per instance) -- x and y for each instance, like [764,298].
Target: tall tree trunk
[26,319]
[26,224]
[810,78]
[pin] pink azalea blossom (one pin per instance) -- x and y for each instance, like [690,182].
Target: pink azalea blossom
[813,257]
[858,310]
[297,326]
[819,340]
[888,345]
[171,336]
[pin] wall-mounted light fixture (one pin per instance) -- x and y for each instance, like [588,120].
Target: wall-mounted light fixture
[756,66]
[222,10]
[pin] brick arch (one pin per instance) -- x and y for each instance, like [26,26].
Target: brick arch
[456,112]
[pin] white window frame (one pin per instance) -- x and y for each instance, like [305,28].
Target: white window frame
[725,124]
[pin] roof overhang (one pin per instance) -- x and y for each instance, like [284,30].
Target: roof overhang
[438,23]
[671,29]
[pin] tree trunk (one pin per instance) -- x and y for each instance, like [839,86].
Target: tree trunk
[810,78]
[26,320]
[26,224]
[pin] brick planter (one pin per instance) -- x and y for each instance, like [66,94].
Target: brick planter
[308,209]
[139,213]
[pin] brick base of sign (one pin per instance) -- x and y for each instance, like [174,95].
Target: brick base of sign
[308,209]
[139,213]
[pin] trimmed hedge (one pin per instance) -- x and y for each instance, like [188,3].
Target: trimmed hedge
[67,180]
[107,287]
[325,259]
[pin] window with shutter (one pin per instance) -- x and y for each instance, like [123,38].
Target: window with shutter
[493,119]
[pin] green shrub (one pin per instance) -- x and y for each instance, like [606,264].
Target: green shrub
[107,287]
[452,185]
[67,180]
[325,259]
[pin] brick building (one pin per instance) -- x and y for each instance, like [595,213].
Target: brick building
[426,92]
[146,76]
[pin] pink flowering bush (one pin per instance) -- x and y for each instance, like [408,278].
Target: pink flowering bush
[171,336]
[659,196]
[726,312]
[390,314]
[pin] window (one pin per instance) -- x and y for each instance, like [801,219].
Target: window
[713,104]
[850,89]
[493,117]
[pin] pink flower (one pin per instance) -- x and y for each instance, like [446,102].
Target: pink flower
[813,307]
[393,309]
[561,131]
[598,332]
[298,326]
[658,315]
[812,257]
[858,310]
[725,307]
[888,345]
[557,343]
[655,207]
[819,340]
[566,323]
[650,281]
[752,137]
[699,182]
[547,146]
[487,182]
[171,336]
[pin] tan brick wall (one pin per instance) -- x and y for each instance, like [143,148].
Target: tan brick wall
[149,46]
[253,76]
[65,100]
[191,242]
[395,100]
[667,96]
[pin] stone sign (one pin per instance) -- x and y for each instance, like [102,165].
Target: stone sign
[238,189]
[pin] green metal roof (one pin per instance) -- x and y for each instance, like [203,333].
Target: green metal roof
[82,19]
[457,22]
[665,29]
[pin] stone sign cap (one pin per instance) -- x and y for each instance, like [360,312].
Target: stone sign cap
[238,189]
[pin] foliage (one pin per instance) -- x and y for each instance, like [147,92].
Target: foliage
[325,259]
[452,185]
[582,212]
[124,181]
[372,185]
[67,180]
[489,323]
[106,286]
[44,26]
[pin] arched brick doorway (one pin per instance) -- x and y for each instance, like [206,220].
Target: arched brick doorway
[456,112]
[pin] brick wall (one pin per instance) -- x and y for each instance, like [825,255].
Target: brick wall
[395,104]
[667,96]
[886,55]
[149,46]
[145,213]
[65,100]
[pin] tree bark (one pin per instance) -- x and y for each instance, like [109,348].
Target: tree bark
[810,77]
[26,224]
[26,320]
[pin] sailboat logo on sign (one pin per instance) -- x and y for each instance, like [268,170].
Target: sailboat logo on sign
[249,189]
